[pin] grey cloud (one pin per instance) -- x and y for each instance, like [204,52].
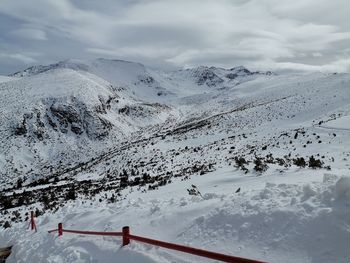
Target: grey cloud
[263,34]
[18,56]
[30,33]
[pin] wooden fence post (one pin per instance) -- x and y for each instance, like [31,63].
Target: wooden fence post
[32,221]
[126,233]
[60,229]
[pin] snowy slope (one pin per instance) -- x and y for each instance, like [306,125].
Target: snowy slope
[297,217]
[5,78]
[88,100]
[282,139]
[51,117]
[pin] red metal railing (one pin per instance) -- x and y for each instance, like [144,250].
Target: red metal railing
[125,234]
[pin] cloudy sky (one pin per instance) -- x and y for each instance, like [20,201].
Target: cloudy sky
[168,34]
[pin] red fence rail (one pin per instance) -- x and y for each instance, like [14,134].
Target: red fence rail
[61,230]
[125,234]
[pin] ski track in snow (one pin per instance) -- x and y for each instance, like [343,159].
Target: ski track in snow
[340,124]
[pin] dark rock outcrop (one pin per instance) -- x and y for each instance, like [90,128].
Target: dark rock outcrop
[206,76]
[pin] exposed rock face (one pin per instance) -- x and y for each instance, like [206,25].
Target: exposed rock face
[67,115]
[96,127]
[105,104]
[32,125]
[206,76]
[79,119]
[146,79]
[242,71]
[231,76]
[39,129]
[143,110]
[64,117]
[22,128]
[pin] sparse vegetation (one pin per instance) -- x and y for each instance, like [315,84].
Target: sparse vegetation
[259,165]
[194,191]
[300,161]
[315,163]
[7,224]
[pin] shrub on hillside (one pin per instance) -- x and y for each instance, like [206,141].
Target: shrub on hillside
[260,166]
[315,163]
[71,195]
[7,224]
[194,191]
[300,161]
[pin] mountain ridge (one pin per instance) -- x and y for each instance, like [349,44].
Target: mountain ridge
[94,106]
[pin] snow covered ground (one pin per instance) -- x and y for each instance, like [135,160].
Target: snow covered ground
[163,136]
[342,123]
[5,78]
[300,216]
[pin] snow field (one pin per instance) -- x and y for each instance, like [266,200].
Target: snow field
[304,218]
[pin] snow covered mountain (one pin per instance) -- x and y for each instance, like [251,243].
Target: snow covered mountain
[68,109]
[88,140]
